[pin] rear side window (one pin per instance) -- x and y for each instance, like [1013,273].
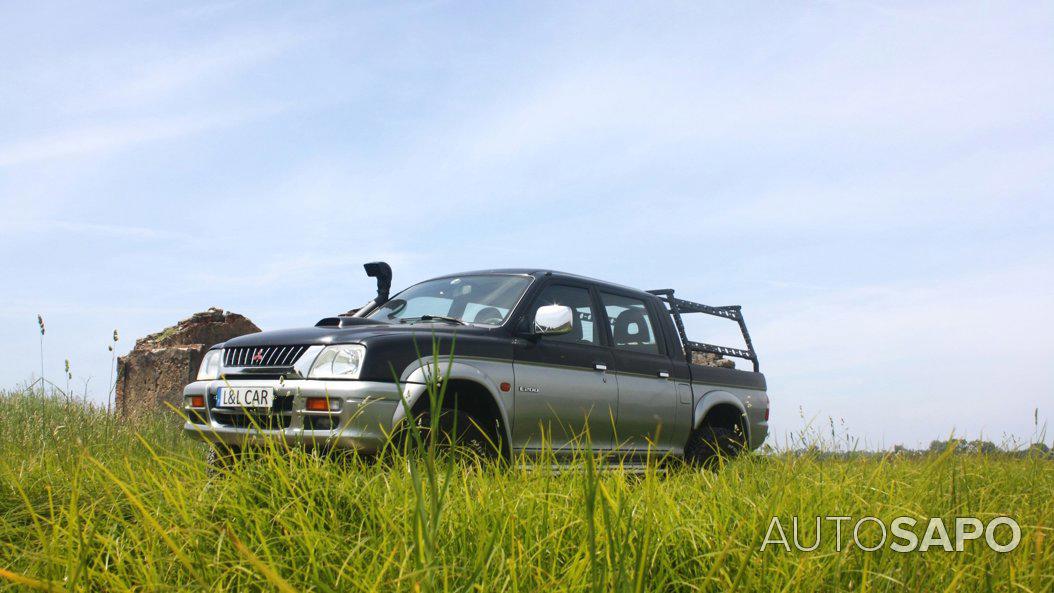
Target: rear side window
[632,327]
[584,329]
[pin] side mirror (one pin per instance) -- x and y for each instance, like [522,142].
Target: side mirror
[553,320]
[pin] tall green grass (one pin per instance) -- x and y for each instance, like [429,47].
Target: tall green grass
[89,503]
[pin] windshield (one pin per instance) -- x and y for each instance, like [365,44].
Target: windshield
[485,299]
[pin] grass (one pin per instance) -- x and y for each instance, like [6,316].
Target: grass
[88,503]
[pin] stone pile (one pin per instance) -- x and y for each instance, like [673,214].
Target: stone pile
[712,360]
[154,373]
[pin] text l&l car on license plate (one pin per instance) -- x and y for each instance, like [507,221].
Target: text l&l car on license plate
[244,397]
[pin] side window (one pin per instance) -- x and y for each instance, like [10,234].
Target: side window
[631,324]
[584,330]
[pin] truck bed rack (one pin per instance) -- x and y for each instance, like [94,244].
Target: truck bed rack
[733,312]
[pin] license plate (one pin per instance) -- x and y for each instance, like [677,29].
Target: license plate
[245,397]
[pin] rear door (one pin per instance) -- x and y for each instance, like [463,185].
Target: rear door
[564,385]
[647,408]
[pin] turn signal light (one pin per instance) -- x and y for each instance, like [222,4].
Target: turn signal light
[321,404]
[197,401]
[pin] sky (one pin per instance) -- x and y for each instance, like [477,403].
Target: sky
[872,181]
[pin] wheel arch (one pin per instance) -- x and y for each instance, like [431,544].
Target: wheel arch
[721,408]
[477,387]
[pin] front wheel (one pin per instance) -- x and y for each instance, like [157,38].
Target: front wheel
[712,446]
[454,430]
[220,458]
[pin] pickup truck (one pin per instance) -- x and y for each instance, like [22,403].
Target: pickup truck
[530,360]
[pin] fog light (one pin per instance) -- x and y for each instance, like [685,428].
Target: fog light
[197,401]
[320,423]
[322,404]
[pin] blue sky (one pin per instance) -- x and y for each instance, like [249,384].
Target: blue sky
[872,181]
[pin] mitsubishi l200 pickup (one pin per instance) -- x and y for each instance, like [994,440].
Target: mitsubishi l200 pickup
[529,359]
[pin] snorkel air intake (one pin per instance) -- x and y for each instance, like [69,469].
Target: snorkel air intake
[383,273]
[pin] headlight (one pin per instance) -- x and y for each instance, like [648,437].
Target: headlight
[338,362]
[210,365]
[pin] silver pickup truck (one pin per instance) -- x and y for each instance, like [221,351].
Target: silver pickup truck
[529,359]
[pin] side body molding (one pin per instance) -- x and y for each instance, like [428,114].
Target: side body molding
[715,398]
[415,377]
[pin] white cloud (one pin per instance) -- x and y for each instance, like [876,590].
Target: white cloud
[96,139]
[114,231]
[168,72]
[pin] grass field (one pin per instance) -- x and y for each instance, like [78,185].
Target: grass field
[92,504]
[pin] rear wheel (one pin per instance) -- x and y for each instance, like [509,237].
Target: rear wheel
[712,446]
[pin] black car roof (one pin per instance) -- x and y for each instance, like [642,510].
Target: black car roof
[540,273]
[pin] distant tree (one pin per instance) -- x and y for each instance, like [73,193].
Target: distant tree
[1040,450]
[961,446]
[957,445]
[983,447]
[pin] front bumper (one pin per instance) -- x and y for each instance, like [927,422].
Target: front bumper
[365,414]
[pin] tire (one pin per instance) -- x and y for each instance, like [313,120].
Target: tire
[712,446]
[457,430]
[221,459]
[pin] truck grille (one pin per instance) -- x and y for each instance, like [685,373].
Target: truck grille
[277,418]
[262,356]
[261,420]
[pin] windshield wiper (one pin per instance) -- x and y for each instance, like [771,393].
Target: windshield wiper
[433,318]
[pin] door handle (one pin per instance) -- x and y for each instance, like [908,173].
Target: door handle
[664,374]
[600,366]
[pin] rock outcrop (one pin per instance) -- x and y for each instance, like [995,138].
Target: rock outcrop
[154,373]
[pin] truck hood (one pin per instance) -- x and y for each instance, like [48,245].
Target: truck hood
[357,332]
